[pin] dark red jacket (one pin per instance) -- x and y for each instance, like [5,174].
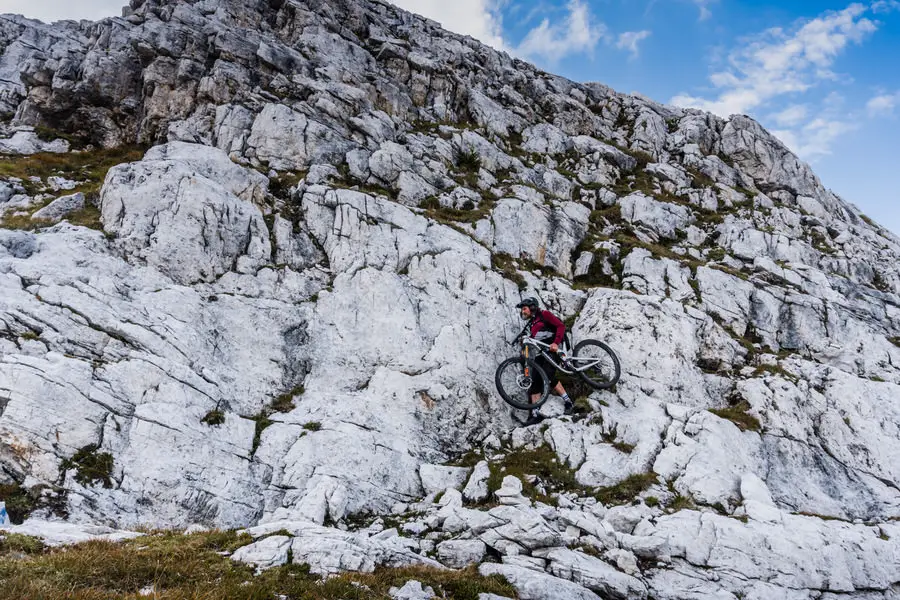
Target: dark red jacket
[545,320]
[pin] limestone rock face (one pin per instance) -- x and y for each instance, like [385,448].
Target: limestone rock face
[172,211]
[285,309]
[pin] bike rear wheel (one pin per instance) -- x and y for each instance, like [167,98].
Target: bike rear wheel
[604,369]
[516,377]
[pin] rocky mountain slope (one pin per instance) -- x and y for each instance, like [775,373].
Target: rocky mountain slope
[259,261]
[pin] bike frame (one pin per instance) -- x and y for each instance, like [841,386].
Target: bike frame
[544,350]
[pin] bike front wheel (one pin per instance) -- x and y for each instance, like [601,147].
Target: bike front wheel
[519,378]
[596,364]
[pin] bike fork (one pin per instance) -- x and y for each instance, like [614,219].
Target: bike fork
[527,374]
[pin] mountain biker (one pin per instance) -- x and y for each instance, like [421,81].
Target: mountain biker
[544,326]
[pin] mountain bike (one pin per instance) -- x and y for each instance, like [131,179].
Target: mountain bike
[516,377]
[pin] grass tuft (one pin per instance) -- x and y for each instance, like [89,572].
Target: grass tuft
[285,402]
[623,447]
[627,489]
[90,466]
[262,421]
[777,370]
[18,543]
[505,264]
[467,214]
[214,418]
[540,470]
[281,404]
[468,161]
[739,415]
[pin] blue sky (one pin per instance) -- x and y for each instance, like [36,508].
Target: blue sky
[824,76]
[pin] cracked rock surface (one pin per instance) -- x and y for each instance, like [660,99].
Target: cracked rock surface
[284,312]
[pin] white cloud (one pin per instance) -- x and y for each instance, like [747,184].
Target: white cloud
[791,116]
[883,105]
[766,72]
[814,139]
[885,6]
[630,40]
[783,62]
[703,5]
[478,18]
[577,33]
[56,10]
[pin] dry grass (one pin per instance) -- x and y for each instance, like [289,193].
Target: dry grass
[89,168]
[17,544]
[180,567]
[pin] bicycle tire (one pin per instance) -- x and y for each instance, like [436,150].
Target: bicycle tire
[518,396]
[609,372]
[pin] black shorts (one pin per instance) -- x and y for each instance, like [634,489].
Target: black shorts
[550,370]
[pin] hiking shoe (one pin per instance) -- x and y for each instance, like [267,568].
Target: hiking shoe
[569,408]
[533,420]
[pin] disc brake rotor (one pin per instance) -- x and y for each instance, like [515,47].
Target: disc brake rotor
[523,381]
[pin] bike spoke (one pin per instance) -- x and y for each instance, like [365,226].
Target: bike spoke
[595,363]
[517,381]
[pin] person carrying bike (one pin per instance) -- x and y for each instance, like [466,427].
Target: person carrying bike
[546,327]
